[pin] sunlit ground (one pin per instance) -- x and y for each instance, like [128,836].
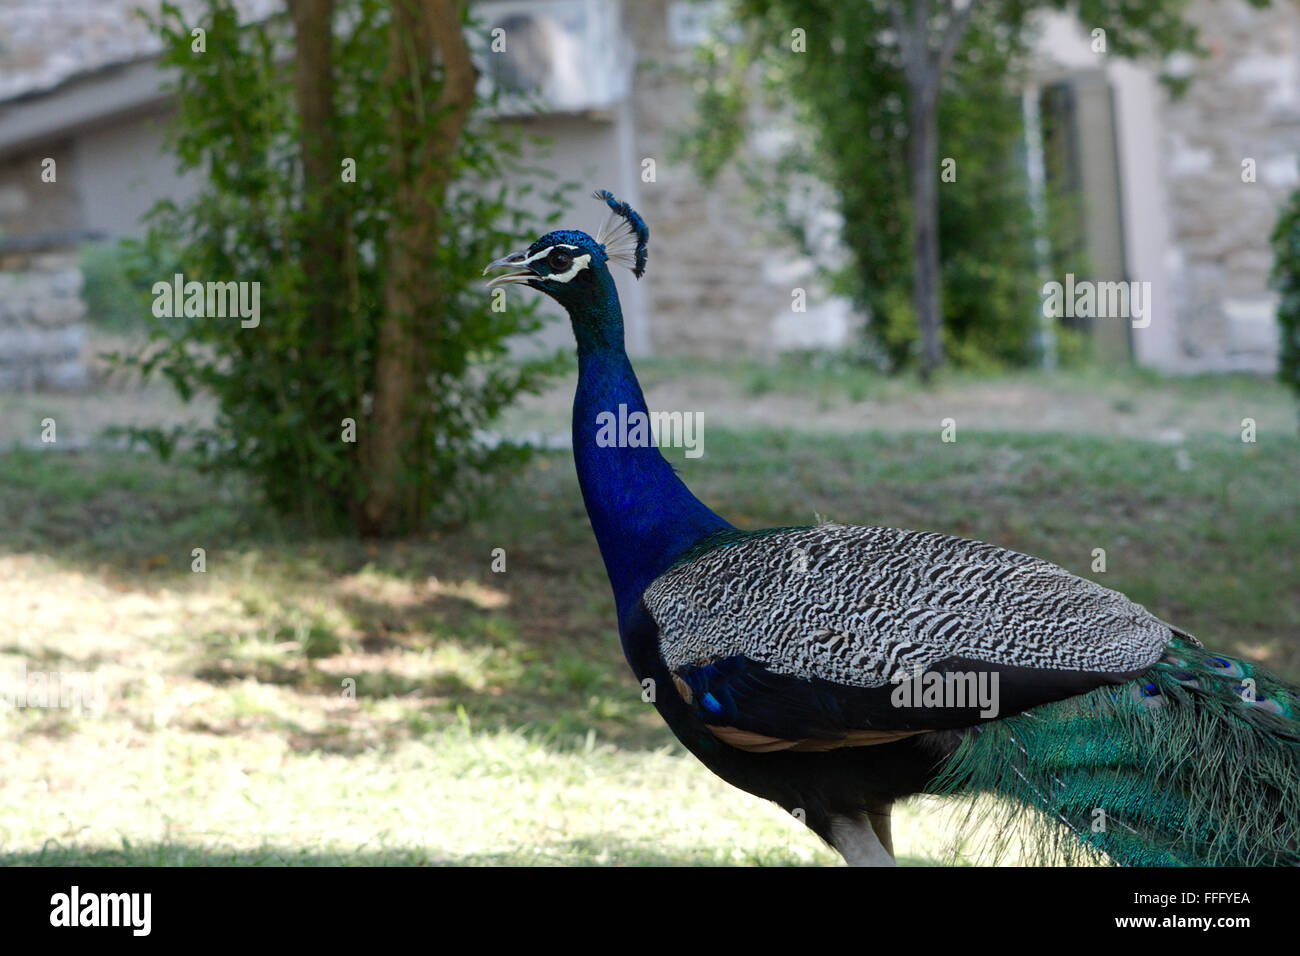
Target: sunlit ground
[324,701]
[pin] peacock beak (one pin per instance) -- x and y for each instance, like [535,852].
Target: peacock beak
[509,278]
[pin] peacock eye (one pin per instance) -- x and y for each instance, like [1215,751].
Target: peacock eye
[559,260]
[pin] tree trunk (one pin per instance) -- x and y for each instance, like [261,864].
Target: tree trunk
[923,67]
[314,89]
[323,229]
[426,37]
[923,158]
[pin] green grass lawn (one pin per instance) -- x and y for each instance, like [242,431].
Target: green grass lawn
[491,718]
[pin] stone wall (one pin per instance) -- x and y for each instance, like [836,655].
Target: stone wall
[719,280]
[1243,104]
[44,42]
[42,336]
[29,206]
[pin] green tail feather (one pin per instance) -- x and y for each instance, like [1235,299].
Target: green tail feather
[1195,763]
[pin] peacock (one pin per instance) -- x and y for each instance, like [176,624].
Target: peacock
[836,669]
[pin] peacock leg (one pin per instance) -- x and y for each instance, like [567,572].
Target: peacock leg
[879,818]
[857,842]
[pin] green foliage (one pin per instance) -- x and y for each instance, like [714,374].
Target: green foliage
[845,100]
[1286,279]
[112,298]
[285,388]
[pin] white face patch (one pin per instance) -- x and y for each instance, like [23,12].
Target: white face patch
[543,253]
[579,263]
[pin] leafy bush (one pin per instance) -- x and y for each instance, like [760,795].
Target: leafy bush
[287,389]
[845,102]
[112,299]
[1286,279]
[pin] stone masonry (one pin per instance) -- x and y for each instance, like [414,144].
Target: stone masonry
[1243,104]
[720,280]
[42,336]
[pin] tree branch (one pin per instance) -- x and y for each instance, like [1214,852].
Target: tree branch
[458,73]
[938,61]
[906,44]
[958,20]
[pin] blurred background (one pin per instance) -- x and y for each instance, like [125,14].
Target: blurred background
[319,573]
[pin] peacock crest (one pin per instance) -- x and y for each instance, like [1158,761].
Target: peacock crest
[624,234]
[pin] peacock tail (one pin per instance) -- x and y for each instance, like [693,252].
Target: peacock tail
[1197,762]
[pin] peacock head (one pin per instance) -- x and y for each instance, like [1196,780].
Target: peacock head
[569,265]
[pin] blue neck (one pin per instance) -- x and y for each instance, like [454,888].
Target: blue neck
[643,515]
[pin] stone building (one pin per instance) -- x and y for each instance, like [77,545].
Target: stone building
[1179,193]
[42,338]
[1184,192]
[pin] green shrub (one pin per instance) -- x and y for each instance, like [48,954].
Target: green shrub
[113,301]
[846,104]
[287,389]
[1286,279]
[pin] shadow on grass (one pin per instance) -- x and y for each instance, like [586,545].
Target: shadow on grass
[602,850]
[1205,540]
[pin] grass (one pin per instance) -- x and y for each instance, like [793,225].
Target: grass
[810,393]
[332,702]
[833,378]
